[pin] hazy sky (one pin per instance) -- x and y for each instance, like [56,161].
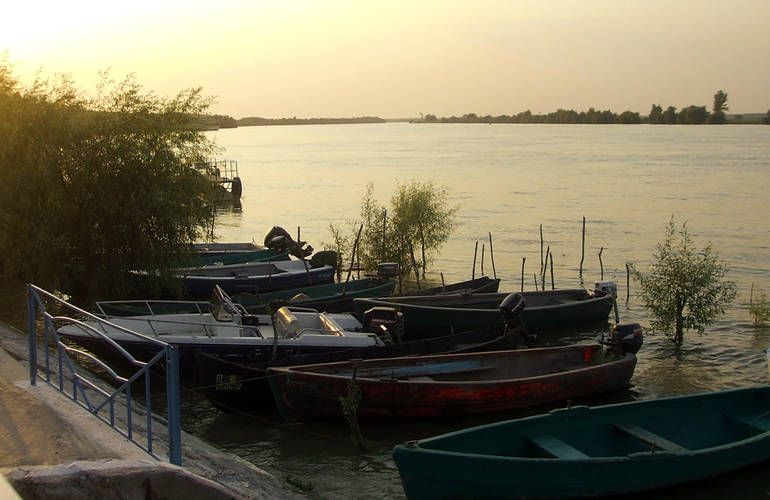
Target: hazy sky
[394,58]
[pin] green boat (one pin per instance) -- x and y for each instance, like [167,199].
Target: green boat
[431,315]
[209,258]
[332,297]
[583,452]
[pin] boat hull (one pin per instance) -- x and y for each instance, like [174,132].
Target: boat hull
[490,460]
[536,378]
[333,297]
[426,316]
[203,286]
[233,384]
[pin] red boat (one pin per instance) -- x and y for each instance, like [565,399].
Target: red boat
[457,384]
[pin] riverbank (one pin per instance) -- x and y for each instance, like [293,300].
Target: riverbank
[51,448]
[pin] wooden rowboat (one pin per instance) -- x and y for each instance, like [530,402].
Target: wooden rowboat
[582,452]
[455,384]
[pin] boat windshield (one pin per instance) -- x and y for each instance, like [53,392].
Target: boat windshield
[222,307]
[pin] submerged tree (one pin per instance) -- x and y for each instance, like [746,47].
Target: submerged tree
[685,287]
[94,188]
[418,222]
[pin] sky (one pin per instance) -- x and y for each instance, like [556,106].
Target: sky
[403,58]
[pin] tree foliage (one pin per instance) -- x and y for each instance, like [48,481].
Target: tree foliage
[685,287]
[92,188]
[719,107]
[418,222]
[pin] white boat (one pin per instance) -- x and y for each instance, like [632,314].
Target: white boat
[225,329]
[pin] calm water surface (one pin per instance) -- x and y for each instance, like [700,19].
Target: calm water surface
[507,180]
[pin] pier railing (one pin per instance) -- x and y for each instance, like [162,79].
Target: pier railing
[114,406]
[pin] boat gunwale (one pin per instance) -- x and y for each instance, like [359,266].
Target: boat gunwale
[585,412]
[302,371]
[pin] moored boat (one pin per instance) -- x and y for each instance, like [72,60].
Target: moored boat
[223,329]
[332,297]
[257,277]
[582,452]
[463,311]
[234,385]
[457,384]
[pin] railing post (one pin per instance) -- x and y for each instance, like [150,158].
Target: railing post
[31,335]
[174,411]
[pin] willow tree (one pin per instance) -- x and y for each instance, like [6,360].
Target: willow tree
[409,232]
[685,287]
[92,188]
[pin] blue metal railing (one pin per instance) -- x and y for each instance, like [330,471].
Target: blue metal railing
[95,399]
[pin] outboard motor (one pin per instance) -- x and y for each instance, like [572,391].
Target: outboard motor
[511,307]
[625,338]
[385,322]
[602,288]
[607,287]
[387,269]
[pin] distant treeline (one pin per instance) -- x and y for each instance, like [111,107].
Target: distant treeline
[214,122]
[255,120]
[691,115]
[591,116]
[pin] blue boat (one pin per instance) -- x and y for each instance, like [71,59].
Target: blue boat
[583,452]
[260,277]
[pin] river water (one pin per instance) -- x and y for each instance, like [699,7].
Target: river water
[508,180]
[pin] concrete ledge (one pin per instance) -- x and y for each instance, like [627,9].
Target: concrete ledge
[113,479]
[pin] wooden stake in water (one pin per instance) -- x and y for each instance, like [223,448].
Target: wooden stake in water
[483,251]
[541,249]
[492,257]
[523,260]
[583,251]
[475,252]
[628,282]
[352,258]
[552,285]
[601,265]
[544,270]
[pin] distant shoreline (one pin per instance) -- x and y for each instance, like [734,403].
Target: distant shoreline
[216,122]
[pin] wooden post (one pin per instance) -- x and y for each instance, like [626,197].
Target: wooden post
[414,263]
[552,285]
[492,257]
[475,251]
[422,245]
[544,271]
[541,249]
[523,260]
[483,251]
[601,265]
[352,259]
[443,285]
[628,282]
[583,249]
[535,275]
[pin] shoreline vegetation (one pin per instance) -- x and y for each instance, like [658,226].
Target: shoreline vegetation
[692,115]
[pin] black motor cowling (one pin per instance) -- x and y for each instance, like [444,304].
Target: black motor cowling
[511,308]
[386,322]
[626,338]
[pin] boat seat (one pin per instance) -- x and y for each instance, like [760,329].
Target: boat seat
[648,437]
[557,448]
[755,425]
